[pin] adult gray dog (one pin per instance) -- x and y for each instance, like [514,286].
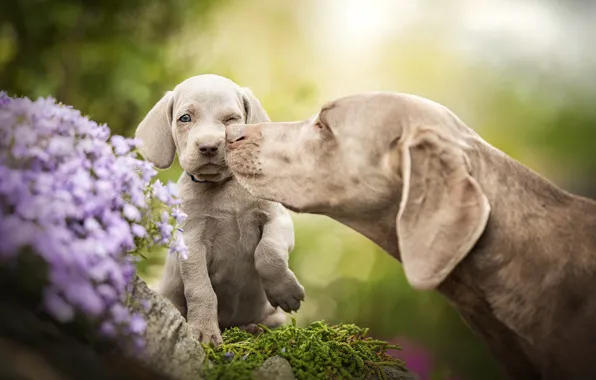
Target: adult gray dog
[237,270]
[515,254]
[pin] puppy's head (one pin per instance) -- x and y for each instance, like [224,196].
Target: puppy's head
[191,121]
[365,156]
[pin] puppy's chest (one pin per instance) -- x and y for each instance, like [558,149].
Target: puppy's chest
[228,230]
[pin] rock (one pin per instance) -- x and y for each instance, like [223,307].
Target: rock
[170,346]
[278,368]
[275,368]
[393,373]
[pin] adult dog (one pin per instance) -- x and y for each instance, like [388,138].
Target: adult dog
[514,253]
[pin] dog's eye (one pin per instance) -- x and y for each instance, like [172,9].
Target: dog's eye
[322,129]
[185,118]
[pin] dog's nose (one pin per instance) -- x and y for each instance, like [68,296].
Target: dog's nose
[235,132]
[208,149]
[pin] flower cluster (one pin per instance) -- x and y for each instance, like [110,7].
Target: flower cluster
[80,200]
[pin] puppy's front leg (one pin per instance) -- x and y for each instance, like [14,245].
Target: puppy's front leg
[171,285]
[271,261]
[201,300]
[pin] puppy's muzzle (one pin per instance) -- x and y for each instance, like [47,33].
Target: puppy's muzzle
[208,149]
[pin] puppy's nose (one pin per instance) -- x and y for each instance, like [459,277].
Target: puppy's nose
[235,132]
[208,149]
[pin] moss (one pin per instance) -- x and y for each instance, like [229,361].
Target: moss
[317,351]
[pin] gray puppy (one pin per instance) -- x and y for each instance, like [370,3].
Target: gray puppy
[237,271]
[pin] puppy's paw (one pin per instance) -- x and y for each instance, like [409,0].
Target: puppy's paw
[207,333]
[287,293]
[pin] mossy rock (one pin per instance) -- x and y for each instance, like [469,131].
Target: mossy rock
[274,368]
[278,368]
[290,352]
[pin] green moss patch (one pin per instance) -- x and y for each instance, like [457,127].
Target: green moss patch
[317,351]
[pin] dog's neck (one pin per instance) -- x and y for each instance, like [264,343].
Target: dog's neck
[379,228]
[528,213]
[525,263]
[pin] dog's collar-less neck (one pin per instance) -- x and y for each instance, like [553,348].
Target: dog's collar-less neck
[194,179]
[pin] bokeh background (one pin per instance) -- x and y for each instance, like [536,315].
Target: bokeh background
[520,72]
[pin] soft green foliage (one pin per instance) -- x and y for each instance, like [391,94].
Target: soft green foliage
[316,351]
[107,58]
[160,221]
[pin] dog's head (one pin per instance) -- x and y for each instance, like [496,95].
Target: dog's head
[365,155]
[191,121]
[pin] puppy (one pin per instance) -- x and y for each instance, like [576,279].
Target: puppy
[237,270]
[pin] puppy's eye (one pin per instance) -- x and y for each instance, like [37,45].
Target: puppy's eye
[185,118]
[231,119]
[319,125]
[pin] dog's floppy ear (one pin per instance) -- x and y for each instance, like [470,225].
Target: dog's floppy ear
[255,113]
[443,211]
[155,131]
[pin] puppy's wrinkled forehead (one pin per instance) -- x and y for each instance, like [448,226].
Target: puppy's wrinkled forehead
[207,91]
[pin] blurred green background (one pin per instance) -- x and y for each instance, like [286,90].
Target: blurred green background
[522,73]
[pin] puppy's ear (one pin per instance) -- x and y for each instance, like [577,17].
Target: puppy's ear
[443,210]
[254,111]
[156,133]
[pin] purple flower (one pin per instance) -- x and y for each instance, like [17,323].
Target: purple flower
[85,297]
[60,146]
[131,212]
[138,343]
[137,324]
[179,247]
[138,231]
[160,191]
[172,189]
[57,306]
[120,144]
[107,293]
[179,215]
[108,329]
[120,313]
[145,304]
[81,199]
